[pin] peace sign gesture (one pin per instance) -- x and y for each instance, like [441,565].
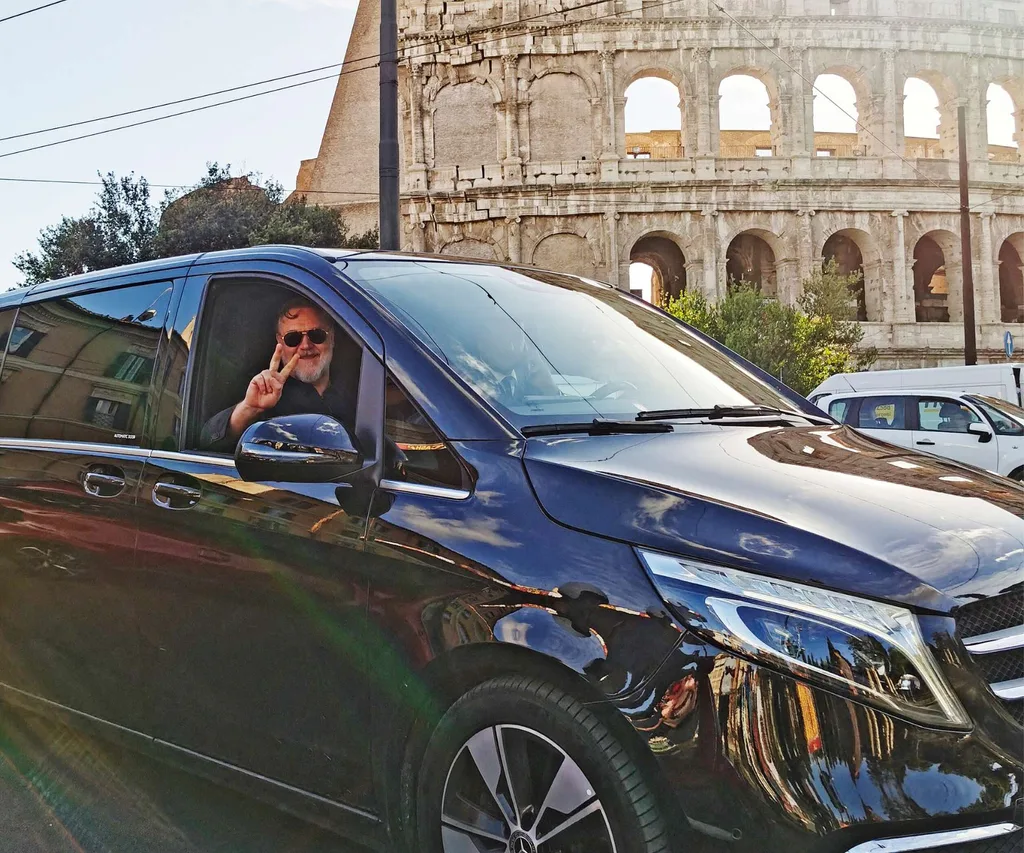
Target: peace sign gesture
[264,391]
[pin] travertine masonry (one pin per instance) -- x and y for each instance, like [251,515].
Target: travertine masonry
[514,147]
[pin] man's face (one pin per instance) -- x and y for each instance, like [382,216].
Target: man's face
[314,359]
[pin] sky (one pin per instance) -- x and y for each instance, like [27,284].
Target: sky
[87,58]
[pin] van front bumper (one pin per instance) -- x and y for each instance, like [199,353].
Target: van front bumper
[749,759]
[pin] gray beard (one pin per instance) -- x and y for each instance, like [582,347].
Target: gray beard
[312,373]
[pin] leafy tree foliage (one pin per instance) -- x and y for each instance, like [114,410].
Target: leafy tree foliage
[219,212]
[801,345]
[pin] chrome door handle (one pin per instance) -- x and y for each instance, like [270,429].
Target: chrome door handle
[930,443]
[174,496]
[103,485]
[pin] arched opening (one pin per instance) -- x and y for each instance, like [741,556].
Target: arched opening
[924,123]
[849,260]
[835,117]
[1011,280]
[662,255]
[745,124]
[1001,125]
[654,122]
[750,259]
[931,286]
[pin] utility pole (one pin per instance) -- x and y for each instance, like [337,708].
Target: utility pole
[388,156]
[966,254]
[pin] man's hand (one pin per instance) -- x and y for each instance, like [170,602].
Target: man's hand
[264,391]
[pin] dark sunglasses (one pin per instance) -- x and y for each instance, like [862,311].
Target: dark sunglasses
[293,339]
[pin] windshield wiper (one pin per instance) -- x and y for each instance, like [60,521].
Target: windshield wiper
[598,426]
[731,412]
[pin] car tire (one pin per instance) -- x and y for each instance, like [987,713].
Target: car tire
[1017,474]
[575,788]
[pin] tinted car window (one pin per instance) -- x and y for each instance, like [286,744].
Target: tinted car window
[882,413]
[1007,418]
[79,368]
[427,458]
[6,319]
[944,415]
[546,347]
[839,409]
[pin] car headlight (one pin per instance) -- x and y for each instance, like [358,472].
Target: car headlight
[858,648]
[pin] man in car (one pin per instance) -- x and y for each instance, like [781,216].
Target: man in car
[298,380]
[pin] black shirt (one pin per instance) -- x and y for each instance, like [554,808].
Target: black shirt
[297,398]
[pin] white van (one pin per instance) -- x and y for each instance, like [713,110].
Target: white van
[1002,381]
[975,429]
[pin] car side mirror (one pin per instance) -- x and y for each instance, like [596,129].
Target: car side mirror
[983,432]
[297,449]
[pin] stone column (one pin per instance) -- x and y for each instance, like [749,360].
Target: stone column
[986,295]
[892,116]
[611,218]
[976,96]
[901,305]
[515,240]
[714,284]
[705,158]
[609,147]
[949,140]
[1018,132]
[805,246]
[787,286]
[417,177]
[512,166]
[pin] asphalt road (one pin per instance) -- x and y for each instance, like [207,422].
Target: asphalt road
[61,792]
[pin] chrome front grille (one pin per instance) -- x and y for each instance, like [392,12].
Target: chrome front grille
[993,632]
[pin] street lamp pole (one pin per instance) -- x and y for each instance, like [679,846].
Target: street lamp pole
[388,156]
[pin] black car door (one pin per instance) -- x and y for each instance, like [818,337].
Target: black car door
[73,403]
[252,596]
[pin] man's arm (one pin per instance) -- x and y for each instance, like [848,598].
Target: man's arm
[261,395]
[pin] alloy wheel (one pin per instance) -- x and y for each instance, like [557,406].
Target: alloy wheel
[510,789]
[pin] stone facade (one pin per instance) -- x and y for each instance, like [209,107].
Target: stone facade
[514,148]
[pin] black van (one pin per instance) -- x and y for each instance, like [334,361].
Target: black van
[464,557]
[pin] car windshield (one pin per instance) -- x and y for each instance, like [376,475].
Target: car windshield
[1007,418]
[550,348]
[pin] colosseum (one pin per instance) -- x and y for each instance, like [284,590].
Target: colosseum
[514,119]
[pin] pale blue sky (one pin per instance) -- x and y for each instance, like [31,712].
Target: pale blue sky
[85,58]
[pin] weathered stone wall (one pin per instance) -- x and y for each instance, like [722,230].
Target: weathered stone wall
[515,148]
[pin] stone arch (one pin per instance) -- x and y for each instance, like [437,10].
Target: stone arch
[938,282]
[946,93]
[1014,89]
[752,256]
[776,129]
[867,260]
[666,141]
[663,252]
[461,116]
[560,115]
[566,251]
[472,247]
[868,109]
[1011,279]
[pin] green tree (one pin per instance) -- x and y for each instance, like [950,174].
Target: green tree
[801,345]
[119,229]
[219,212]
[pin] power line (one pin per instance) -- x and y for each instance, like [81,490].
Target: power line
[30,11]
[825,95]
[374,56]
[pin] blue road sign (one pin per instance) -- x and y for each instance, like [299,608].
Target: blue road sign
[1008,344]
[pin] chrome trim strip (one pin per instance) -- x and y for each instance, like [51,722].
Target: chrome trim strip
[427,491]
[195,458]
[996,641]
[935,839]
[1009,689]
[73,447]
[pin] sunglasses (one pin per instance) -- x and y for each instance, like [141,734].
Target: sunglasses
[293,339]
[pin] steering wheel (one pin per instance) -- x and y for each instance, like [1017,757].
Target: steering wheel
[610,388]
